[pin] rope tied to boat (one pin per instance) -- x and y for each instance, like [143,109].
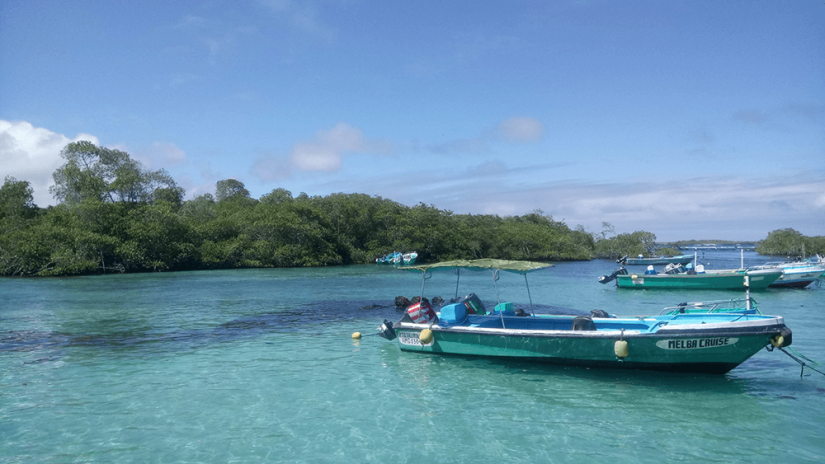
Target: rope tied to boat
[359,335]
[796,358]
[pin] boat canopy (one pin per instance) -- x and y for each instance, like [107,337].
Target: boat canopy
[519,267]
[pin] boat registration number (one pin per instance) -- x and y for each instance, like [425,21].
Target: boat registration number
[411,338]
[696,343]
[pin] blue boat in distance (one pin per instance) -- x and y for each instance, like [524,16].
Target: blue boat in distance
[404,259]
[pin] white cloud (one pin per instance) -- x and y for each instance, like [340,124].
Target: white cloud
[477,145]
[32,154]
[819,202]
[522,129]
[324,152]
[164,154]
[316,157]
[719,207]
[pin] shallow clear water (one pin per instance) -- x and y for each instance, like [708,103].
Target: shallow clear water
[258,366]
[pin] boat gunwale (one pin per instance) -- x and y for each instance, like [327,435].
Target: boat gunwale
[733,328]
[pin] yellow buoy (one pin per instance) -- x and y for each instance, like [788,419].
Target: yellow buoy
[778,341]
[356,335]
[620,348]
[426,336]
[634,277]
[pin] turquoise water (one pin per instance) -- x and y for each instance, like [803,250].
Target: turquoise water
[258,366]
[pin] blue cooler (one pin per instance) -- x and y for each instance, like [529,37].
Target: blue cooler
[505,309]
[453,313]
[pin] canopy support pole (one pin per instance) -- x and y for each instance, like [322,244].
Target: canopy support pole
[421,297]
[423,280]
[498,298]
[528,295]
[458,277]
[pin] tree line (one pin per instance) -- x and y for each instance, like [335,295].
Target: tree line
[113,215]
[790,243]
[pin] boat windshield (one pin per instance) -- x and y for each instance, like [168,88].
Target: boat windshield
[735,305]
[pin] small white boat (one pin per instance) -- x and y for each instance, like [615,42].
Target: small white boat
[404,259]
[796,274]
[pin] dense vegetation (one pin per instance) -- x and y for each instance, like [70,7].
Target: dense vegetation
[782,242]
[115,216]
[788,242]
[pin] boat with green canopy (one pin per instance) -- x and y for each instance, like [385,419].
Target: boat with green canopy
[680,341]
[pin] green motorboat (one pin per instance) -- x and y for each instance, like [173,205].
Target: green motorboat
[709,280]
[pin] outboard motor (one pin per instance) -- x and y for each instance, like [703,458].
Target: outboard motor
[608,278]
[674,268]
[599,313]
[622,260]
[583,323]
[386,330]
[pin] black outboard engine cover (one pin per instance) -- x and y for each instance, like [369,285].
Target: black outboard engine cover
[622,260]
[583,323]
[386,330]
[599,313]
[608,278]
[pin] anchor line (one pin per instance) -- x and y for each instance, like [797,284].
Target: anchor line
[801,362]
[803,356]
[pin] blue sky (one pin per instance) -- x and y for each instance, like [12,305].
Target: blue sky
[688,119]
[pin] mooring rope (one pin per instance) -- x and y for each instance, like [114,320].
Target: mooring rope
[800,361]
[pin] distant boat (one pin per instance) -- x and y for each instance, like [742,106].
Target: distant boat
[677,277]
[797,274]
[403,259]
[640,261]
